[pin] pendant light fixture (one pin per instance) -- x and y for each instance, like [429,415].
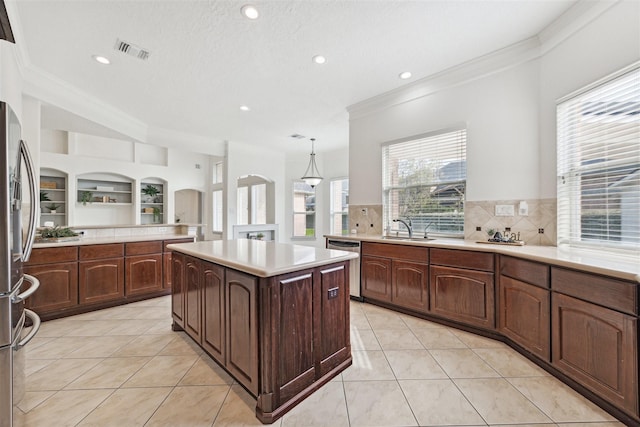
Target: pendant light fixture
[312,175]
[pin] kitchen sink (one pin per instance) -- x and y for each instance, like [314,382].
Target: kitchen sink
[407,239]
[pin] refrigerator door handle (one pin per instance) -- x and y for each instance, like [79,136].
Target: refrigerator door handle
[33,208]
[34,329]
[35,284]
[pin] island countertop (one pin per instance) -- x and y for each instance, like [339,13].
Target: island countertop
[260,258]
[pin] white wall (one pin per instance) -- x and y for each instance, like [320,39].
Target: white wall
[10,78]
[510,114]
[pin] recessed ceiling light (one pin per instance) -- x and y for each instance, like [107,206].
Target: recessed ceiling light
[319,59]
[250,11]
[245,108]
[405,75]
[101,59]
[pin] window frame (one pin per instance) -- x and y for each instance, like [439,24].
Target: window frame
[453,185]
[306,212]
[344,213]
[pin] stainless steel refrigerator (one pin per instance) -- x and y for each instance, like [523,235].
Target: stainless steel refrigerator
[17,181]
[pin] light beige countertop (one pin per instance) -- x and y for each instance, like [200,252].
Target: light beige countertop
[260,258]
[595,261]
[112,239]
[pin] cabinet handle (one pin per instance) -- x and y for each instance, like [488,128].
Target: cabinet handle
[34,329]
[33,218]
[35,284]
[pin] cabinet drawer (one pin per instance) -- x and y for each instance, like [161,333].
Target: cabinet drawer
[50,255]
[605,291]
[170,242]
[390,250]
[525,271]
[462,259]
[142,248]
[115,250]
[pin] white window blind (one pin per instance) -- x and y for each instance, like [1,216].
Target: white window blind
[424,180]
[599,164]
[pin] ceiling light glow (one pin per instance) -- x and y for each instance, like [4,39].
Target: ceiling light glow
[405,75]
[250,11]
[245,108]
[101,59]
[319,59]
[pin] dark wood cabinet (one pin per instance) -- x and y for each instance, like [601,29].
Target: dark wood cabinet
[101,273]
[58,287]
[395,274]
[241,316]
[524,305]
[462,288]
[167,276]
[57,271]
[192,298]
[596,344]
[178,262]
[143,267]
[213,310]
[375,278]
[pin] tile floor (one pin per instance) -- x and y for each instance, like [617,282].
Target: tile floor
[124,367]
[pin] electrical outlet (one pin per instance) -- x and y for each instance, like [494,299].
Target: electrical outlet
[505,210]
[332,293]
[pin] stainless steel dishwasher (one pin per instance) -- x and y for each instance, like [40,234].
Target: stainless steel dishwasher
[354,266]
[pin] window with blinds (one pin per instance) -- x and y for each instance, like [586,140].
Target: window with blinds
[424,181]
[599,164]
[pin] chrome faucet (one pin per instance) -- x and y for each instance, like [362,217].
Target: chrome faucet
[408,225]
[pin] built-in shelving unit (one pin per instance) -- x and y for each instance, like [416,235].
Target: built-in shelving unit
[53,198]
[152,203]
[96,191]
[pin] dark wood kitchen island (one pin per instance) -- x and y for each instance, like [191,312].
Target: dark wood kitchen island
[274,315]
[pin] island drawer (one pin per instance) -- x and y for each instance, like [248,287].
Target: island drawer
[601,290]
[115,250]
[525,271]
[51,255]
[142,248]
[463,259]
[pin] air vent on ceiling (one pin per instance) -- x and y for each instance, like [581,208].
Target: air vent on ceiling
[132,49]
[296,136]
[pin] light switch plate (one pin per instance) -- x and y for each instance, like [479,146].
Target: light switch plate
[504,210]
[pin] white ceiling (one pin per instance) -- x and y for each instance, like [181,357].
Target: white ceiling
[207,59]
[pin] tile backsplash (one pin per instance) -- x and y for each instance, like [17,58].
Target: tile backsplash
[538,227]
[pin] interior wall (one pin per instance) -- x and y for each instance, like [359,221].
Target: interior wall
[510,115]
[189,206]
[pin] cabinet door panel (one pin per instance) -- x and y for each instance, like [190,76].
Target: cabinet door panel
[177,286]
[213,338]
[101,280]
[143,274]
[192,302]
[242,328]
[58,287]
[463,295]
[375,278]
[334,314]
[524,315]
[410,285]
[166,270]
[295,334]
[598,348]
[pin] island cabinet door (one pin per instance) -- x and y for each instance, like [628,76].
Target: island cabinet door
[242,328]
[177,289]
[332,345]
[193,299]
[213,310]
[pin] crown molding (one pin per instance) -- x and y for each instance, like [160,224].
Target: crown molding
[575,18]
